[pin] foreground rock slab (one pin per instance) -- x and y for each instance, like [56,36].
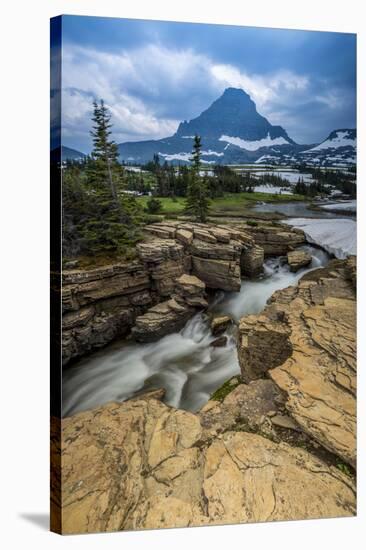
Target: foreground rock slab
[143,465]
[305,340]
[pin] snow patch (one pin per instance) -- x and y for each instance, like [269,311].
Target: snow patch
[290,176]
[264,158]
[177,156]
[256,144]
[187,156]
[348,206]
[272,189]
[336,236]
[342,139]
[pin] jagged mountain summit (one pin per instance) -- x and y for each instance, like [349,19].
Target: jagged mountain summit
[231,130]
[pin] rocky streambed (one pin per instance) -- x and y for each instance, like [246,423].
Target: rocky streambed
[275,441]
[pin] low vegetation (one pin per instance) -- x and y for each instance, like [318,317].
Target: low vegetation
[225,389]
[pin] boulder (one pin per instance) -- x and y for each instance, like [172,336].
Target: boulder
[297,259]
[204,235]
[143,465]
[159,250]
[164,231]
[220,324]
[263,344]
[189,285]
[218,251]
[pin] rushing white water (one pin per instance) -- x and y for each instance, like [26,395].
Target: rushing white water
[184,363]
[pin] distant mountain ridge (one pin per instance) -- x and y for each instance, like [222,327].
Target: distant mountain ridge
[66,153]
[233,132]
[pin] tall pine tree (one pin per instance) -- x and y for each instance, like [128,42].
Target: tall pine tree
[197,202]
[113,217]
[105,167]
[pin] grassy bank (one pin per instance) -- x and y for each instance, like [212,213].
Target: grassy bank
[230,203]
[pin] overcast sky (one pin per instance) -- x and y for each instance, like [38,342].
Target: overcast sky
[152,75]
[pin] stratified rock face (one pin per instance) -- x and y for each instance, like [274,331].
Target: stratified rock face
[170,316]
[215,251]
[165,260]
[314,324]
[143,465]
[298,259]
[275,239]
[101,304]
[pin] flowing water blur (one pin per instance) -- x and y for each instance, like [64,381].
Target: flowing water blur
[183,363]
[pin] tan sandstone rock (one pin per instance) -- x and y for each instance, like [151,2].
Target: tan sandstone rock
[297,259]
[220,324]
[275,239]
[171,315]
[141,464]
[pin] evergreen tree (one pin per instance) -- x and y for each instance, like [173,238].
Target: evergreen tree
[197,202]
[104,219]
[105,151]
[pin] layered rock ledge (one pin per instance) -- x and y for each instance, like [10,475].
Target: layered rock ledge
[171,315]
[275,238]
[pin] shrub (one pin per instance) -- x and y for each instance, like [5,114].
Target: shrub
[153,206]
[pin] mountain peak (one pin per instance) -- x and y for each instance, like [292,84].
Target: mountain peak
[233,114]
[237,97]
[230,91]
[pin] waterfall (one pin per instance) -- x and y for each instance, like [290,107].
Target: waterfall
[184,363]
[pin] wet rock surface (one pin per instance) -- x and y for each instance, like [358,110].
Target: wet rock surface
[220,324]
